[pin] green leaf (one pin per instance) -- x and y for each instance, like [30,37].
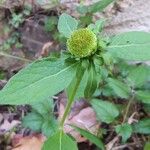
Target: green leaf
[37,81]
[82,9]
[91,137]
[143,96]
[91,85]
[60,141]
[33,121]
[146,108]
[41,118]
[99,6]
[85,20]
[143,126]
[98,26]
[49,126]
[51,23]
[120,88]
[105,111]
[124,130]
[67,24]
[139,75]
[131,46]
[147,146]
[44,107]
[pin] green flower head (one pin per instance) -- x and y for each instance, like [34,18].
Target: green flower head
[82,43]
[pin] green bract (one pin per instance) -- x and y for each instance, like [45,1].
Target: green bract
[82,43]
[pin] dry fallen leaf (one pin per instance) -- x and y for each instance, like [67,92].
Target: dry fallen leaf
[32,142]
[85,119]
[7,126]
[45,49]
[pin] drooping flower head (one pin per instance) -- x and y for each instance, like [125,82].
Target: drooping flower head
[82,43]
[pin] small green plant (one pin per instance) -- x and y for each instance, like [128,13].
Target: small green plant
[87,12]
[2,75]
[12,29]
[19,18]
[13,40]
[50,25]
[95,67]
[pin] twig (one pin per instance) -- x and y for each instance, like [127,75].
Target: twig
[127,109]
[124,146]
[14,57]
[131,118]
[110,145]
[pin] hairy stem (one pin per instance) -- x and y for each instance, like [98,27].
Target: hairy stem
[127,109]
[71,99]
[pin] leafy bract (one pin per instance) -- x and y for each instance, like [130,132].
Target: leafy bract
[92,138]
[60,141]
[143,126]
[91,84]
[80,76]
[37,81]
[67,24]
[133,46]
[121,89]
[105,111]
[124,130]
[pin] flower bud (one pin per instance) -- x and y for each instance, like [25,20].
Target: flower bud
[82,43]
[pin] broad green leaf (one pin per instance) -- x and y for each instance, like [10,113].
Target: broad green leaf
[99,6]
[91,137]
[147,146]
[60,141]
[143,96]
[67,24]
[105,111]
[124,130]
[133,46]
[107,91]
[139,75]
[91,84]
[37,82]
[121,89]
[143,126]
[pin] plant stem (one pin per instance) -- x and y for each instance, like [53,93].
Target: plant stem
[127,109]
[71,99]
[14,57]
